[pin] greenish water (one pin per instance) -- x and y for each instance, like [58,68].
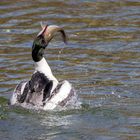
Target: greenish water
[102,61]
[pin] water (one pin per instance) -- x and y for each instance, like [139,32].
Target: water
[102,61]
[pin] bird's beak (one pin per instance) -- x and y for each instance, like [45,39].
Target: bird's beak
[48,32]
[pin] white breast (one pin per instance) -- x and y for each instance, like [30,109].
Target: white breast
[43,67]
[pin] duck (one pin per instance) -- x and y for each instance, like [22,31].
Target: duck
[43,90]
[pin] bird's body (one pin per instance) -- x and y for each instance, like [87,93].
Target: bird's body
[43,91]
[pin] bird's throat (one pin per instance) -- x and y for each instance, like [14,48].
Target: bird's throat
[37,53]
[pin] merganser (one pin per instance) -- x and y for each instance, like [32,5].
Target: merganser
[43,90]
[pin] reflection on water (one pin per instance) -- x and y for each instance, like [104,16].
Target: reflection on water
[102,60]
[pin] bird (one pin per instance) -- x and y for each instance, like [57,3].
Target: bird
[43,90]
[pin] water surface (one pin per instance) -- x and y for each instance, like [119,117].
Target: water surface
[101,60]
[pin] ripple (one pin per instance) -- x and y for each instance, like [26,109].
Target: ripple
[101,60]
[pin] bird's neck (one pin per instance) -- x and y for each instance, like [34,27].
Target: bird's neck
[43,67]
[37,53]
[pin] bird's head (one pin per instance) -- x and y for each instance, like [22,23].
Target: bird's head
[43,38]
